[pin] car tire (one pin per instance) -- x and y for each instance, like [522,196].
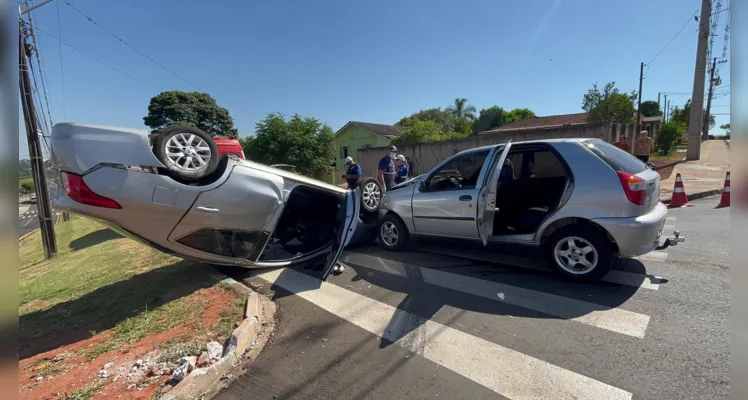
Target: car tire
[197,159]
[392,233]
[575,246]
[371,195]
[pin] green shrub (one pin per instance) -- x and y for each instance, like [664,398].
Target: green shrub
[668,137]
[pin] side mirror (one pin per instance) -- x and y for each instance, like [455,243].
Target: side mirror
[423,186]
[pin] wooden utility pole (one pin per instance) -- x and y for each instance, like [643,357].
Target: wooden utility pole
[696,118]
[705,129]
[639,103]
[35,148]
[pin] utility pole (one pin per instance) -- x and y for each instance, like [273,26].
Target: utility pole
[696,119]
[705,129]
[667,110]
[658,101]
[35,147]
[639,103]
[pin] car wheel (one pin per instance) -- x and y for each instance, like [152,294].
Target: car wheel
[371,195]
[188,153]
[580,253]
[393,235]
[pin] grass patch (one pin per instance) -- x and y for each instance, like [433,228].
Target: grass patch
[84,393]
[101,281]
[661,159]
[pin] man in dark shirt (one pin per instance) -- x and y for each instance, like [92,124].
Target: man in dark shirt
[352,174]
[386,170]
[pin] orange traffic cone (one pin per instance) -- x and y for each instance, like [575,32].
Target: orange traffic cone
[725,200]
[679,199]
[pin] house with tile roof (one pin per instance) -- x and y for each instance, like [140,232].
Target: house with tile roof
[357,135]
[549,122]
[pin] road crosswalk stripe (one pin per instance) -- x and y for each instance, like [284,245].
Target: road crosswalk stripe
[612,319]
[507,372]
[653,256]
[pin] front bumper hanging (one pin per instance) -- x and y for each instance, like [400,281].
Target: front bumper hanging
[671,241]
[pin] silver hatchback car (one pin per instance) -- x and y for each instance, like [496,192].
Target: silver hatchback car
[179,195]
[582,201]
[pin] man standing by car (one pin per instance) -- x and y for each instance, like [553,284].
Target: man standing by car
[386,169]
[644,146]
[352,174]
[622,144]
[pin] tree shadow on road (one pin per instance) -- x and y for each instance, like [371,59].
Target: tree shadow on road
[79,319]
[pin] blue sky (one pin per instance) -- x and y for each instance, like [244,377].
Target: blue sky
[373,61]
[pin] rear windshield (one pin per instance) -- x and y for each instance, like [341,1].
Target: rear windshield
[616,158]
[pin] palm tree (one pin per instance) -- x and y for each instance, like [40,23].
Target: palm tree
[463,110]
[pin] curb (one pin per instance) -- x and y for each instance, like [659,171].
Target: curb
[697,195]
[668,165]
[205,383]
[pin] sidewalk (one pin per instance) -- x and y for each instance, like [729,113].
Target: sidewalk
[703,176]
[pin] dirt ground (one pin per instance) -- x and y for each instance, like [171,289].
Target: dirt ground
[68,372]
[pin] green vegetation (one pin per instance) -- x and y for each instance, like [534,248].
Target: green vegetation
[25,185]
[609,104]
[86,392]
[197,109]
[668,137]
[101,281]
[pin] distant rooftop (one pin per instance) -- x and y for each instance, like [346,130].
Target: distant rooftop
[385,131]
[551,121]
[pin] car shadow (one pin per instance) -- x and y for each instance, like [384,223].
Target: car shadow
[94,238]
[102,309]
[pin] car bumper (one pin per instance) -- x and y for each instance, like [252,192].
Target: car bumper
[639,235]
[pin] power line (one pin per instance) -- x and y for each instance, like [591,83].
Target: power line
[673,39]
[101,61]
[62,69]
[154,61]
[40,61]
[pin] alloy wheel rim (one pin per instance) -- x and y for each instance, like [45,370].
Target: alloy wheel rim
[187,152]
[389,233]
[371,195]
[575,255]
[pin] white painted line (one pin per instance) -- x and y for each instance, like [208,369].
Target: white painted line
[612,319]
[505,371]
[671,218]
[668,227]
[650,282]
[653,256]
[27,222]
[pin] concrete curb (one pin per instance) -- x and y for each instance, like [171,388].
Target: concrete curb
[668,165]
[205,383]
[697,195]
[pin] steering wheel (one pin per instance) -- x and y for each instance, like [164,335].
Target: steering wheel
[455,180]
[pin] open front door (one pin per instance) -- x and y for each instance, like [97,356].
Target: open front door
[487,197]
[348,220]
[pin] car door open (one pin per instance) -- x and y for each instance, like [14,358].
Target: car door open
[348,219]
[487,197]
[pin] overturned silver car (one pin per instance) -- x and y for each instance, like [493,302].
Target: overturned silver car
[177,194]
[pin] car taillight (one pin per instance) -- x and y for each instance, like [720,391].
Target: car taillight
[77,190]
[634,187]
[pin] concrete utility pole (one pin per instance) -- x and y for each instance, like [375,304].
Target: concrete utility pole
[705,129]
[696,119]
[658,101]
[666,109]
[639,102]
[35,148]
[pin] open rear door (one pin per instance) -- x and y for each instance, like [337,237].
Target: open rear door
[487,197]
[348,220]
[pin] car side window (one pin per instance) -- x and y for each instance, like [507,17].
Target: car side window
[547,165]
[460,172]
[226,242]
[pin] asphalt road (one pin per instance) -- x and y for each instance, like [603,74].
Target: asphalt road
[28,218]
[419,325]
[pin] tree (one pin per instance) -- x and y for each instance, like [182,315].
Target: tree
[489,118]
[417,131]
[495,116]
[461,109]
[609,105]
[247,144]
[726,127]
[650,108]
[443,119]
[668,137]
[303,142]
[518,114]
[188,108]
[683,115]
